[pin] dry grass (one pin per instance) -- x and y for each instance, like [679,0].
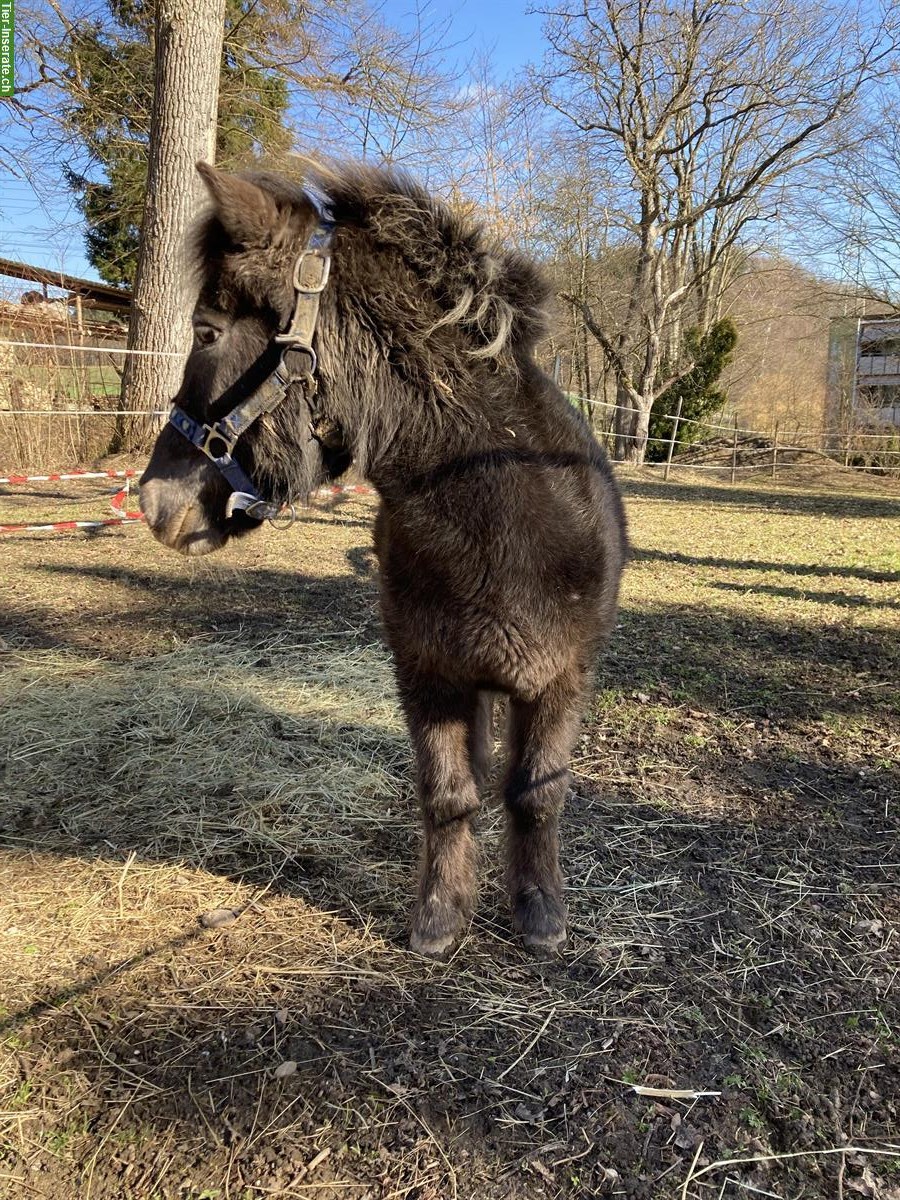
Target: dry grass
[184,738]
[291,746]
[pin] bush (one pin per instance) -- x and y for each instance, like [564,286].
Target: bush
[711,352]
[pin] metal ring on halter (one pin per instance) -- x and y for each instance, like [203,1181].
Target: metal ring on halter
[319,256]
[285,518]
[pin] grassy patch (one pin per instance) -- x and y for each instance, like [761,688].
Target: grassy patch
[184,738]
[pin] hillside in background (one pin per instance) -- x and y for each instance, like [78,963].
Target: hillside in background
[779,374]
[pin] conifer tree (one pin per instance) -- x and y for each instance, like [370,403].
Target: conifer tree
[710,352]
[109,66]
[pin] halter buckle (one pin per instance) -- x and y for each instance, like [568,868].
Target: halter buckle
[219,432]
[315,280]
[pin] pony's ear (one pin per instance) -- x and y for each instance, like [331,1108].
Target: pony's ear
[248,214]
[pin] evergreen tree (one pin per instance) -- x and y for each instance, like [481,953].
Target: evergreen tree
[109,72]
[711,352]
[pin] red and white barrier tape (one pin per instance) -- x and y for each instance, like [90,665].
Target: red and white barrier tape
[67,526]
[338,489]
[65,476]
[124,518]
[120,498]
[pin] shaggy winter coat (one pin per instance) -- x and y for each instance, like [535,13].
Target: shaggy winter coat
[500,533]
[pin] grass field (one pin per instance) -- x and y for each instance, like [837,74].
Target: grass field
[219,739]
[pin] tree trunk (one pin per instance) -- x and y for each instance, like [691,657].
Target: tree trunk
[634,446]
[624,415]
[183,130]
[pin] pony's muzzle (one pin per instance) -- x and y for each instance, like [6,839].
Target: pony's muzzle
[184,527]
[183,498]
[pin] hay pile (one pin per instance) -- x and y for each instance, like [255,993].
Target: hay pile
[217,753]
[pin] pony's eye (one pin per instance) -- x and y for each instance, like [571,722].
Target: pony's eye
[205,335]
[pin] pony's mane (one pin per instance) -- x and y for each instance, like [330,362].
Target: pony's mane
[436,317]
[496,296]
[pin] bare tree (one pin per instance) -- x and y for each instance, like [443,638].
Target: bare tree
[334,76]
[695,110]
[859,214]
[399,93]
[497,163]
[183,128]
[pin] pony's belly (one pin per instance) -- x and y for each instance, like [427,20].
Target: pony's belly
[474,645]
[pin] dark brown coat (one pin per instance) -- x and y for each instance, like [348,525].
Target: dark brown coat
[500,534]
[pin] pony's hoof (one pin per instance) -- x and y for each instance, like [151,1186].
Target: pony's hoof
[432,946]
[540,917]
[437,926]
[545,947]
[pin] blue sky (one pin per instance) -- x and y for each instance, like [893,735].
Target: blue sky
[42,228]
[503,28]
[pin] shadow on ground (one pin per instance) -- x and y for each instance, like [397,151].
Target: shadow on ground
[821,571]
[834,502]
[227,741]
[731,918]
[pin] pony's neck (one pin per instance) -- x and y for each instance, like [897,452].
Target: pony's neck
[397,417]
[412,382]
[410,435]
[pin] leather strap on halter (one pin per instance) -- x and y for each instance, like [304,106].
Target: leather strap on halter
[296,366]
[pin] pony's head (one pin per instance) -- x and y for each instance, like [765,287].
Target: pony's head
[245,250]
[425,328]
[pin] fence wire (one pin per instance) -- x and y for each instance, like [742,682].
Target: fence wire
[59,436]
[757,433]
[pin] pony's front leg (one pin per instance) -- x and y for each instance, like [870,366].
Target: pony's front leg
[441,717]
[541,734]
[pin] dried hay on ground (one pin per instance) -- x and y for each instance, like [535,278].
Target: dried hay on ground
[222,738]
[220,752]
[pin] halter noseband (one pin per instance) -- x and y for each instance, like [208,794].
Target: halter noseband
[297,364]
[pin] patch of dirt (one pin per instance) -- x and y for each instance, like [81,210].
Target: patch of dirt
[185,737]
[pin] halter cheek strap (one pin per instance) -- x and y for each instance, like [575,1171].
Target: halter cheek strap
[296,366]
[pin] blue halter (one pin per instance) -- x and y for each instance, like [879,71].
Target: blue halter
[297,365]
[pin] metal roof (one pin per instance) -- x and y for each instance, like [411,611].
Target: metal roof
[95,294]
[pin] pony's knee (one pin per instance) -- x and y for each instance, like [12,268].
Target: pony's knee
[533,796]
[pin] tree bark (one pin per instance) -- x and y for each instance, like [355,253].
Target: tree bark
[183,130]
[631,438]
